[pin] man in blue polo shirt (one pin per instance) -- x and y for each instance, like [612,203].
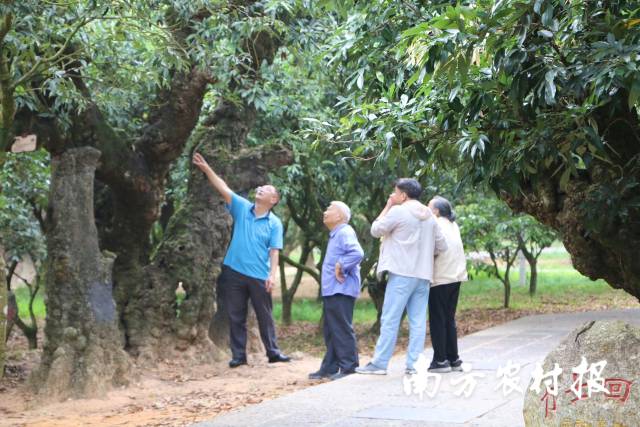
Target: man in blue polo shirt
[249,268]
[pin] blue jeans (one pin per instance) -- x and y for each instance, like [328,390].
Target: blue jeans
[412,293]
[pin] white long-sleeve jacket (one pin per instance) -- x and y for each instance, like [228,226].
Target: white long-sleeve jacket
[451,266]
[411,239]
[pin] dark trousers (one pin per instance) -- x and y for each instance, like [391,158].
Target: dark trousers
[339,337]
[237,289]
[443,301]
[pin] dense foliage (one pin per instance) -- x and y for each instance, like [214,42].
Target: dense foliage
[537,99]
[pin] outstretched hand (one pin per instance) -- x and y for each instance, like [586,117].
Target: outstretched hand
[200,162]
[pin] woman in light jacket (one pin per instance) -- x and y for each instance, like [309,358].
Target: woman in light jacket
[449,270]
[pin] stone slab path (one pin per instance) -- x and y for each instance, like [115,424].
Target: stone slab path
[364,400]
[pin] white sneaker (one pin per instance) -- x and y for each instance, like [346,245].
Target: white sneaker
[371,369]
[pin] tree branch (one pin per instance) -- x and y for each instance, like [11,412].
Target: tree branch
[10,273]
[304,255]
[38,214]
[313,273]
[171,124]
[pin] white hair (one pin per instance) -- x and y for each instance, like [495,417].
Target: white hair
[343,208]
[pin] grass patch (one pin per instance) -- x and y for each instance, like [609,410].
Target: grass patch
[560,288]
[310,310]
[22,298]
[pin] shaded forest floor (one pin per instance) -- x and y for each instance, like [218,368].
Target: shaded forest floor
[177,395]
[172,394]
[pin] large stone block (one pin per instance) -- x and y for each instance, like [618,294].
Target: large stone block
[600,380]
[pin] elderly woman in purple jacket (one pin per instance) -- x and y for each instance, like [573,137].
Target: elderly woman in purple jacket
[340,289]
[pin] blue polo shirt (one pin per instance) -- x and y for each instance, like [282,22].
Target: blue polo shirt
[252,239]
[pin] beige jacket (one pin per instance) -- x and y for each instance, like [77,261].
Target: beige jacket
[411,238]
[450,266]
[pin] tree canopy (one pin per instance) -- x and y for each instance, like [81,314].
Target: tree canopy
[537,99]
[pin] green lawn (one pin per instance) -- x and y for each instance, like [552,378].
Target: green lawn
[22,298]
[310,310]
[559,287]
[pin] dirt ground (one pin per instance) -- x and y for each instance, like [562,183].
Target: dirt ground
[175,395]
[167,396]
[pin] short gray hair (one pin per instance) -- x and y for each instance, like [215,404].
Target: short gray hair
[444,208]
[344,209]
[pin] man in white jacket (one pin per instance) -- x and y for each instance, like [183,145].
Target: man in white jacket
[411,239]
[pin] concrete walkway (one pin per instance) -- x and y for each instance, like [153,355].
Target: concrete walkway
[363,400]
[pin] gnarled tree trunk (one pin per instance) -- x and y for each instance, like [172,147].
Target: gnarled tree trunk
[83,353]
[597,213]
[197,237]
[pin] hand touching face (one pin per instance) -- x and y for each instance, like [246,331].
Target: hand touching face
[397,197]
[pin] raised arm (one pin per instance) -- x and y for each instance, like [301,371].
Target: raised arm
[215,181]
[386,221]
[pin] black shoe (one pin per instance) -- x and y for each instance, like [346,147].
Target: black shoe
[340,375]
[456,365]
[234,363]
[279,358]
[440,367]
[319,375]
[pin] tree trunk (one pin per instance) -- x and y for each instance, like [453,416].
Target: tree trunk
[507,286]
[4,308]
[193,248]
[83,353]
[289,294]
[377,289]
[603,242]
[533,279]
[12,309]
[197,235]
[29,331]
[287,303]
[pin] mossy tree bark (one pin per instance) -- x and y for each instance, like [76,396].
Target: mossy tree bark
[196,239]
[83,353]
[195,243]
[597,212]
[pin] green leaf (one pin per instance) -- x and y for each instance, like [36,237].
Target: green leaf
[564,179]
[547,17]
[423,154]
[550,87]
[537,6]
[360,81]
[388,137]
[634,93]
